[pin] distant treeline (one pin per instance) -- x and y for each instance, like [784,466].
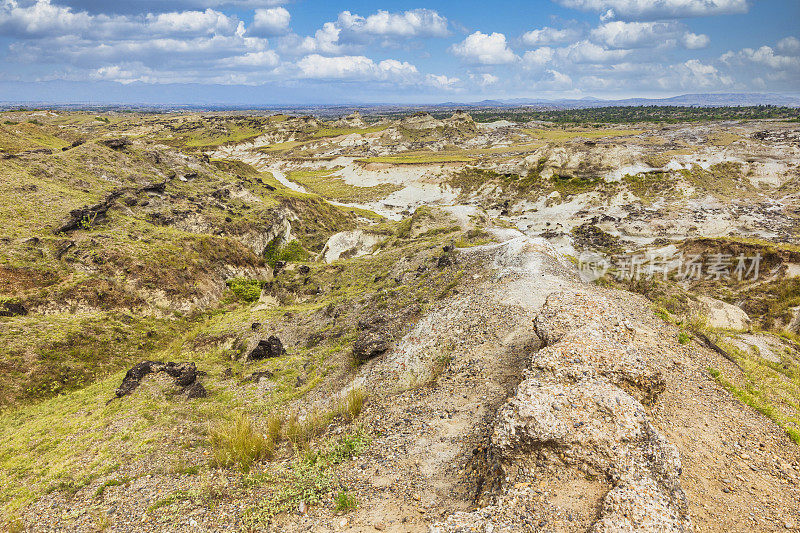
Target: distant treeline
[623,114]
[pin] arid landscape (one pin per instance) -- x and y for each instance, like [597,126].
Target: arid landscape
[249,321]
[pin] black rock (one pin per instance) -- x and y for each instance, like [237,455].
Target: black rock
[272,347]
[444,261]
[255,325]
[304,269]
[134,376]
[370,343]
[184,373]
[117,144]
[11,308]
[196,390]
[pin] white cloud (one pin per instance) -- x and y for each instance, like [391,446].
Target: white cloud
[484,49]
[696,74]
[627,35]
[441,81]
[489,79]
[588,52]
[40,19]
[764,56]
[694,41]
[265,58]
[789,46]
[354,67]
[414,23]
[548,35]
[191,22]
[658,9]
[272,21]
[538,57]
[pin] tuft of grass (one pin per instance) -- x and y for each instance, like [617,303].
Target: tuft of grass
[110,483]
[684,338]
[236,442]
[345,501]
[309,478]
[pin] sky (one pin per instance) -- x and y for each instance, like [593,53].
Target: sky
[284,52]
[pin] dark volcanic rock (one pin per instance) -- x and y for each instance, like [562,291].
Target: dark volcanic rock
[272,347]
[117,144]
[196,390]
[370,343]
[185,375]
[11,308]
[134,376]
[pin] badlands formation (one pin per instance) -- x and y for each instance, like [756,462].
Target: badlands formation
[232,322]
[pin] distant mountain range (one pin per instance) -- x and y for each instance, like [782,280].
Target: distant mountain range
[699,99]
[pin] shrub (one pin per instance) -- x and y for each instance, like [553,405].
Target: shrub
[248,290]
[277,250]
[236,442]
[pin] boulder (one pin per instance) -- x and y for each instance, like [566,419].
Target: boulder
[349,244]
[370,343]
[719,314]
[272,347]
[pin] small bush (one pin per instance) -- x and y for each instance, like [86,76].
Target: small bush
[237,443]
[247,290]
[277,250]
[684,338]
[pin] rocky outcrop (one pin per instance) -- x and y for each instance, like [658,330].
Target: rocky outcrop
[581,408]
[719,314]
[185,375]
[265,349]
[349,244]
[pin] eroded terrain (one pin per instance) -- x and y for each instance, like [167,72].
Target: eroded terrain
[408,323]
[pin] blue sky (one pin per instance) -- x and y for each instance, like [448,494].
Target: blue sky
[264,52]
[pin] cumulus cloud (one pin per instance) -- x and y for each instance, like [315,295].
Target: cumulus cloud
[265,58]
[354,67]
[441,81]
[539,57]
[350,32]
[588,52]
[414,23]
[272,21]
[548,35]
[764,56]
[627,35]
[484,49]
[658,9]
[789,45]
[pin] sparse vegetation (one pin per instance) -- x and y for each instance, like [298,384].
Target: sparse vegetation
[236,442]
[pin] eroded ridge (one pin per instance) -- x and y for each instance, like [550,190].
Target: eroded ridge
[573,448]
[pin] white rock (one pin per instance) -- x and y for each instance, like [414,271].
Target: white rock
[721,314]
[351,243]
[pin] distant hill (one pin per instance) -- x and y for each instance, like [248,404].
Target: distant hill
[698,99]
